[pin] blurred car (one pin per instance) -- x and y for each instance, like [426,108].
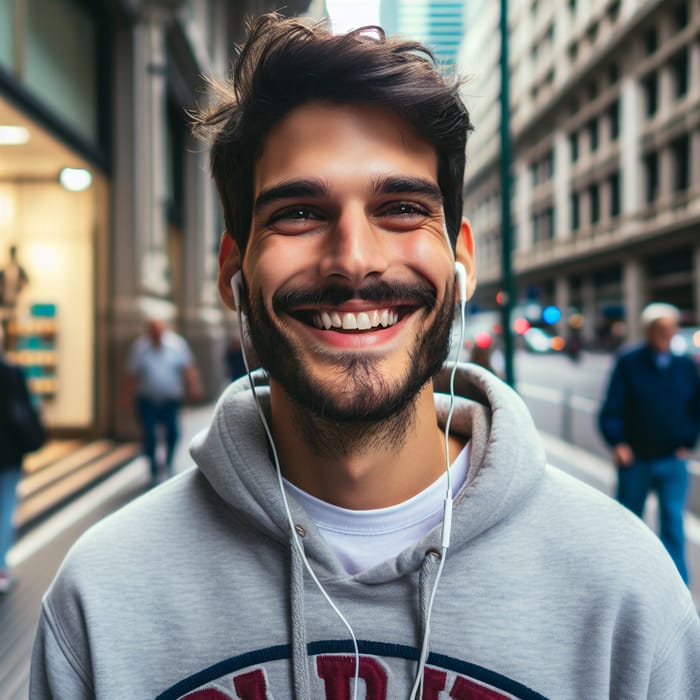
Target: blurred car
[538,340]
[687,342]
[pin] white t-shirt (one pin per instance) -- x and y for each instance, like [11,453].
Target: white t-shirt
[365,538]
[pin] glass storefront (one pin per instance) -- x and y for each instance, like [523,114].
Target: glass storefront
[50,230]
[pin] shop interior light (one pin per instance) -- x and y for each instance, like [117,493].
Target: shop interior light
[75,179]
[13,135]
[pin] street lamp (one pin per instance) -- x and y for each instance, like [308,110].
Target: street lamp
[507,285]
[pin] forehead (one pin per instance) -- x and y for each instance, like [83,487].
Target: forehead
[343,142]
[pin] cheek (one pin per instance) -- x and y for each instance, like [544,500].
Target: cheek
[429,257]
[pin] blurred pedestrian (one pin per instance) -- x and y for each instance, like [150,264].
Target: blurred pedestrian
[651,419]
[161,372]
[20,432]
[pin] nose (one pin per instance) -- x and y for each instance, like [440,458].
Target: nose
[353,248]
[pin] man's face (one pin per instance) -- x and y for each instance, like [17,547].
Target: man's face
[661,333]
[349,273]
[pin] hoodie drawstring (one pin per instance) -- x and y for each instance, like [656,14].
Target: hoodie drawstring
[300,670]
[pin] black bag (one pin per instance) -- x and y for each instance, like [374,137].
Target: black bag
[25,425]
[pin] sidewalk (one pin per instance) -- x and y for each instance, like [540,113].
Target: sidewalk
[38,554]
[600,474]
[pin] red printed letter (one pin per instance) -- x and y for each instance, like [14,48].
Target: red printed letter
[337,672]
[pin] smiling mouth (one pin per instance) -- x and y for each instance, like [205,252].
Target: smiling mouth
[353,321]
[367,320]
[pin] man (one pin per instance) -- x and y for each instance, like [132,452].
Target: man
[314,552]
[651,418]
[161,371]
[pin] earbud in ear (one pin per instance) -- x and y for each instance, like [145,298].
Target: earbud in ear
[461,275]
[237,288]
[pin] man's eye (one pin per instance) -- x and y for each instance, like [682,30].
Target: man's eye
[404,209]
[293,214]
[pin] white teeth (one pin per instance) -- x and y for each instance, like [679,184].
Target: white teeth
[349,322]
[363,320]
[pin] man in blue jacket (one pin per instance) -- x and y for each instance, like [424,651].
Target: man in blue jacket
[651,419]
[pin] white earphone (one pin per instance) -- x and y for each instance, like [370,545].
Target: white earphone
[461,274]
[237,286]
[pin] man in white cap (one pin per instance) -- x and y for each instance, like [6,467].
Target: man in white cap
[651,419]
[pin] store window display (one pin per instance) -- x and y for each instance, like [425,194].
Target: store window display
[13,279]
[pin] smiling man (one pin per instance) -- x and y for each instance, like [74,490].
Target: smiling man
[361,522]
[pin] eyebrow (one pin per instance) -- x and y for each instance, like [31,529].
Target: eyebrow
[290,189]
[313,188]
[408,185]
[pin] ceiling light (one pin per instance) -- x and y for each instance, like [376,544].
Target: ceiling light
[13,135]
[75,179]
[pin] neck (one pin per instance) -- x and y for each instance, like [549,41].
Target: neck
[361,466]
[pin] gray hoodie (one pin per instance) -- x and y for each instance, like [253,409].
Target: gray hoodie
[195,590]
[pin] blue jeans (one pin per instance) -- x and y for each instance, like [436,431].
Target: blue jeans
[153,414]
[9,478]
[668,477]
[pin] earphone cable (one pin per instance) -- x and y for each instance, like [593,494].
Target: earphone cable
[290,519]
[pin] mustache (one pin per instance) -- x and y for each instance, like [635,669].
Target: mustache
[334,294]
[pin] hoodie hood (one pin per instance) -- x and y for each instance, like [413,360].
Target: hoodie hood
[507,462]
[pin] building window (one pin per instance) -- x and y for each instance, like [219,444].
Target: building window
[548,165]
[614,186]
[534,174]
[549,223]
[680,149]
[575,211]
[651,41]
[592,128]
[613,73]
[592,32]
[614,11]
[614,120]
[573,146]
[679,70]
[651,94]
[594,199]
[680,15]
[651,177]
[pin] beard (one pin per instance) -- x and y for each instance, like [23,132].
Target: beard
[359,407]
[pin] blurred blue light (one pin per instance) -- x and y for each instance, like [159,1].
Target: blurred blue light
[551,314]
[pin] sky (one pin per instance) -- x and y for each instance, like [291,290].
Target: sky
[350,14]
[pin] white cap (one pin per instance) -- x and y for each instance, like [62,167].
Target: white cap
[656,311]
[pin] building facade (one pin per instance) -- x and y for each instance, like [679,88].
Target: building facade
[605,131]
[132,226]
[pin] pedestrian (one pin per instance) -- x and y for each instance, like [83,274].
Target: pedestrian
[651,419]
[364,523]
[20,432]
[161,372]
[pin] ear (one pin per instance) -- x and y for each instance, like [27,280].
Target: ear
[464,253]
[229,264]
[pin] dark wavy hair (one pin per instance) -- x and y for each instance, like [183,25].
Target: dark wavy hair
[286,63]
